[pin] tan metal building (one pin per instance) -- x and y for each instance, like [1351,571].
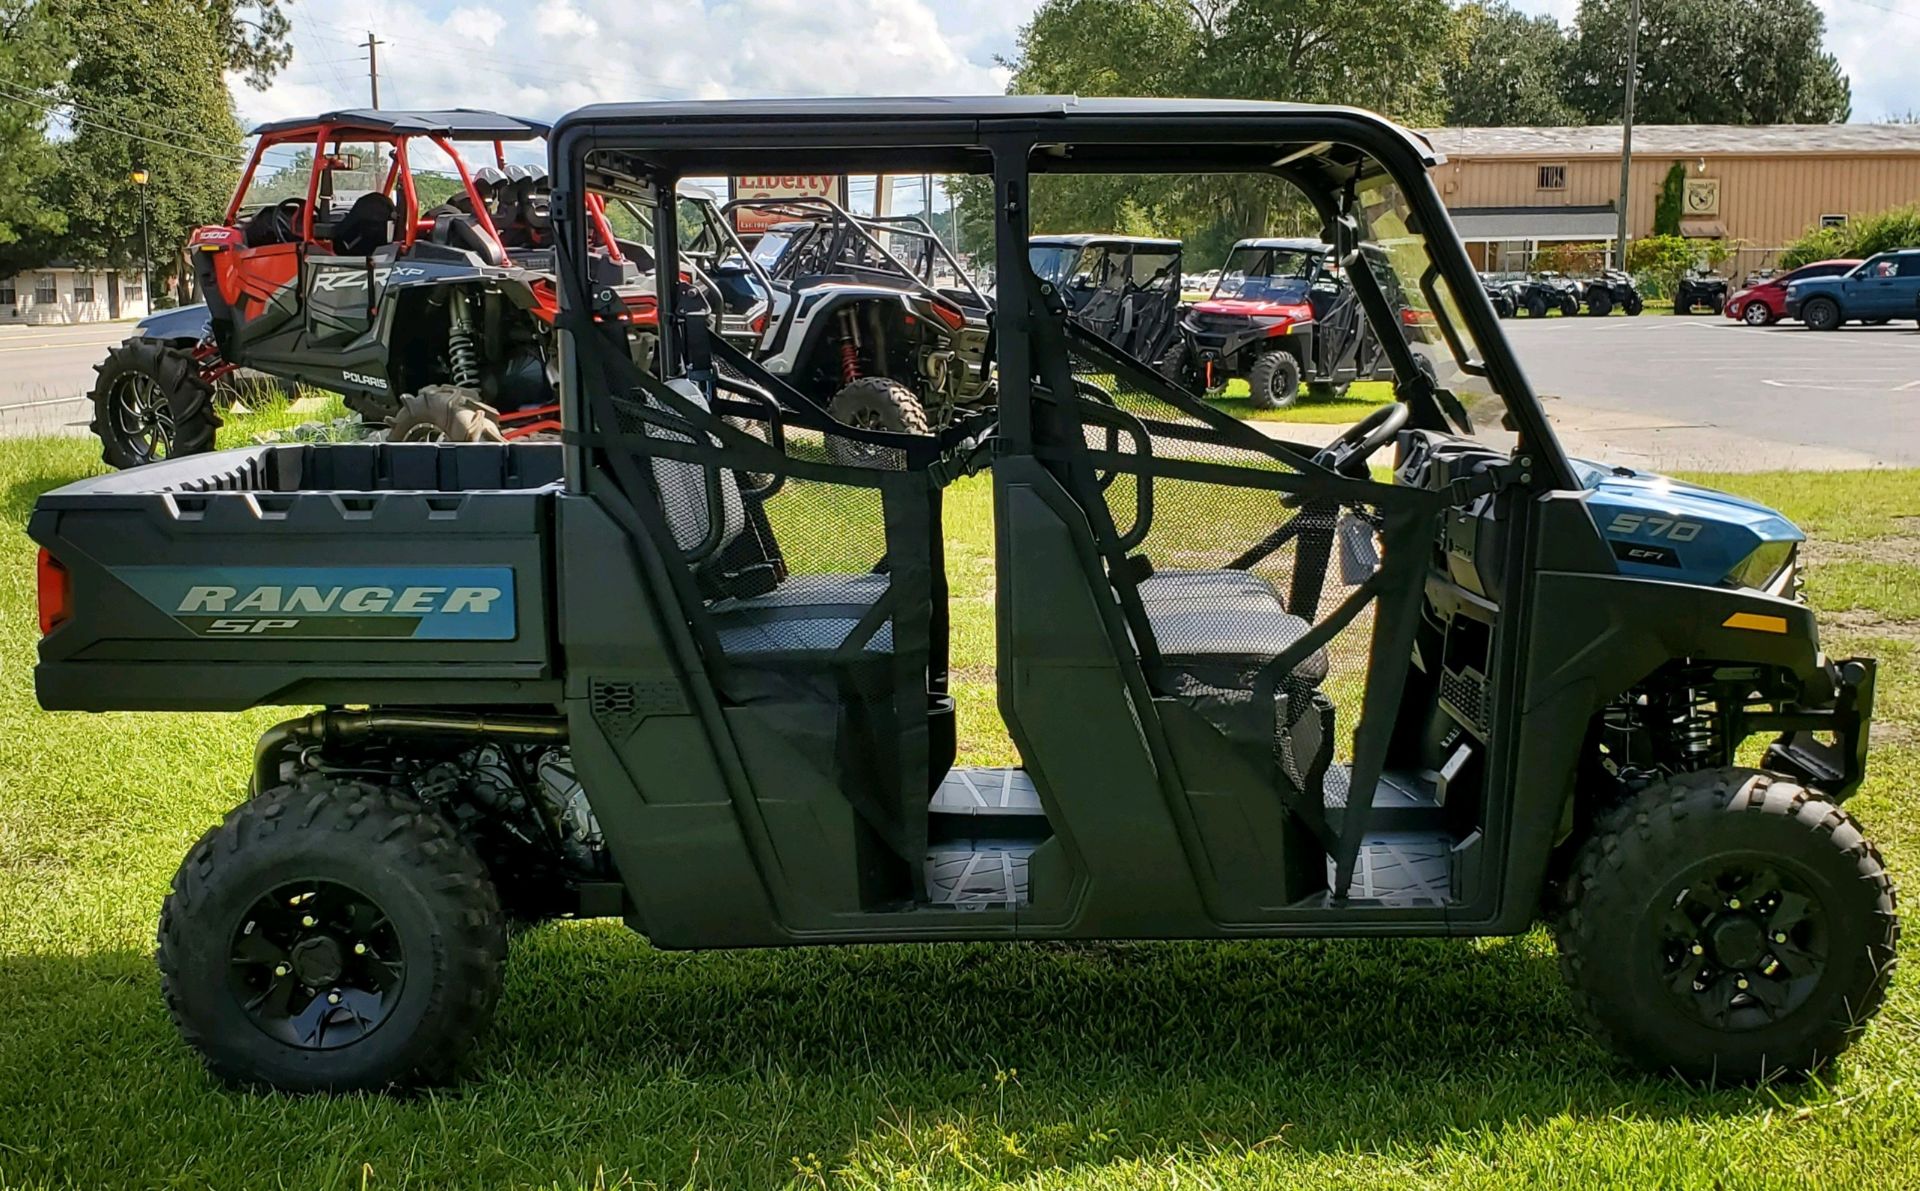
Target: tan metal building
[1513,189]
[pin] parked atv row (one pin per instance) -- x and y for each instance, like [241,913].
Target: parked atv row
[1537,295]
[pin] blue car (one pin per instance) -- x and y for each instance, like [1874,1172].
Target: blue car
[1882,287]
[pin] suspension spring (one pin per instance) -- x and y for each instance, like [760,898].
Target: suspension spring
[849,349]
[463,357]
[1695,731]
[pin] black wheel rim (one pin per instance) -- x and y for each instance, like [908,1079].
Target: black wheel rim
[142,417]
[316,965]
[1743,944]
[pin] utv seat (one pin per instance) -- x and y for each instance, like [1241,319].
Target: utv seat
[812,613]
[366,227]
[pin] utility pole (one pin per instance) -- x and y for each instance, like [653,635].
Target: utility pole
[373,67]
[1626,133]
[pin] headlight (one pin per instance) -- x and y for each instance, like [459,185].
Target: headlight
[1768,567]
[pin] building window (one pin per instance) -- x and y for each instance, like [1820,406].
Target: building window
[1551,177]
[1833,221]
[82,287]
[9,296]
[46,291]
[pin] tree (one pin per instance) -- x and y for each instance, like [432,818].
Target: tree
[148,91]
[1708,62]
[1508,69]
[1668,208]
[30,67]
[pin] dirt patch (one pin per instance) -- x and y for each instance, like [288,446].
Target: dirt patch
[1863,623]
[1902,547]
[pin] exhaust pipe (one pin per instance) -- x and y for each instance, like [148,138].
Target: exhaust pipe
[347,727]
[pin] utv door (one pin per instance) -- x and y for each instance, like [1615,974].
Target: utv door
[1339,327]
[342,296]
[1095,292]
[1204,635]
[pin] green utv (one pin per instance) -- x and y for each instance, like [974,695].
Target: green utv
[684,669]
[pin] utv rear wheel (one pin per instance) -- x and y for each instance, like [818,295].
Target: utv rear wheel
[874,403]
[1729,926]
[1600,305]
[444,413]
[1274,381]
[331,935]
[1820,314]
[150,402]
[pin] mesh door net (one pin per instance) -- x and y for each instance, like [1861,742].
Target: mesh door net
[1251,579]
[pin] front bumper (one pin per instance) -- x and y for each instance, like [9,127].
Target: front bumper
[1835,769]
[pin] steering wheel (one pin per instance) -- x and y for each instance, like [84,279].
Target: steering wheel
[285,220]
[1348,454]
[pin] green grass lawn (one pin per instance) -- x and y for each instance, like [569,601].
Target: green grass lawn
[610,1064]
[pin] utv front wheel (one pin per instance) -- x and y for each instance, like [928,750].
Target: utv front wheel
[150,402]
[1729,926]
[874,403]
[331,935]
[1274,381]
[444,413]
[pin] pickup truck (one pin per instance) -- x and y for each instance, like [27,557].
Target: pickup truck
[1882,287]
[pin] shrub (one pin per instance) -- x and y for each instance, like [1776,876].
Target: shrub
[1659,262]
[1897,227]
[1570,258]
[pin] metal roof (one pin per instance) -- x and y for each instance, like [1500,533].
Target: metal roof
[1306,244]
[1082,239]
[1677,140]
[454,123]
[1534,223]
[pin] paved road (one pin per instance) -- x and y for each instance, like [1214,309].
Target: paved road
[46,373]
[1712,393]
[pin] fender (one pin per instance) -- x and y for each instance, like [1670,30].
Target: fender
[184,325]
[814,311]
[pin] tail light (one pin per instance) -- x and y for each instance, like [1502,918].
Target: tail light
[950,315]
[759,324]
[56,592]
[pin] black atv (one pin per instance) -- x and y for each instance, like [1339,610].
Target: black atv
[1125,289]
[436,323]
[1500,292]
[1540,294]
[1700,291]
[1612,290]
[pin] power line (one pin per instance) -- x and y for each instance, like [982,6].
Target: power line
[94,122]
[59,101]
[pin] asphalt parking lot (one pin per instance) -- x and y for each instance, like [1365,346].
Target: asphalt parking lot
[1707,392]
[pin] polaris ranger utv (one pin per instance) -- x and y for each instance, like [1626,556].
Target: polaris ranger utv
[1282,312]
[1125,289]
[698,677]
[329,270]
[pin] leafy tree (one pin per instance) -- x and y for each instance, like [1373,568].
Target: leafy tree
[30,67]
[1708,62]
[1508,69]
[1673,195]
[148,91]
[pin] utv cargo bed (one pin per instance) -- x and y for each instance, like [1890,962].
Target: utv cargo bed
[301,574]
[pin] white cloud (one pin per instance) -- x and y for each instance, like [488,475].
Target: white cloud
[544,57]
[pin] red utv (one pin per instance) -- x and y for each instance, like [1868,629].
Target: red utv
[361,255]
[1765,302]
[1280,313]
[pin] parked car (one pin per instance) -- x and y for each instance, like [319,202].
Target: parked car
[1763,299]
[1885,286]
[1612,288]
[1700,291]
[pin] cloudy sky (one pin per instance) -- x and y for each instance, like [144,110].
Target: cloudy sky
[542,57]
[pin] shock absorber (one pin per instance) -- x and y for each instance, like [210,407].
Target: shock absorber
[1695,730]
[463,358]
[849,348]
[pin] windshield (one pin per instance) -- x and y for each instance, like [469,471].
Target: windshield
[768,251]
[1053,262]
[1268,274]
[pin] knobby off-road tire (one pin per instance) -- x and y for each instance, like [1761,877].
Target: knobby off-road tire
[1600,305]
[1711,879]
[1274,381]
[444,413]
[1536,306]
[1177,366]
[1821,314]
[874,403]
[150,402]
[330,880]
[1633,304]
[1569,306]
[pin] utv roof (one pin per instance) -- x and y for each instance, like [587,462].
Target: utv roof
[1304,244]
[1082,239]
[453,123]
[1106,132]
